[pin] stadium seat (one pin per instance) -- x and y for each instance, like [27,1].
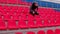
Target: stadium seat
[57,23]
[21,9]
[30,17]
[14,8]
[50,32]
[41,32]
[51,22]
[12,1]
[2,25]
[7,8]
[3,1]
[31,24]
[16,17]
[30,32]
[12,24]
[6,17]
[26,10]
[1,17]
[22,24]
[57,31]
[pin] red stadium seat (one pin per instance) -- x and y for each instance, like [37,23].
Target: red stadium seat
[22,24]
[50,32]
[6,17]
[39,23]
[57,22]
[7,8]
[1,17]
[12,24]
[30,32]
[3,1]
[2,25]
[51,22]
[12,1]
[26,10]
[21,9]
[41,32]
[16,17]
[57,31]
[31,24]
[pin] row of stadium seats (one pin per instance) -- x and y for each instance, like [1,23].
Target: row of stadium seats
[14,2]
[11,24]
[57,31]
[19,17]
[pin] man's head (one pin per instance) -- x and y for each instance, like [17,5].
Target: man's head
[35,4]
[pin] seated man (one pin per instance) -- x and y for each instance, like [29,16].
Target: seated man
[34,9]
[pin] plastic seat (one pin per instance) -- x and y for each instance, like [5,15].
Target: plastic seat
[50,22]
[2,25]
[6,17]
[14,8]
[21,9]
[3,1]
[30,32]
[57,22]
[16,17]
[39,23]
[41,32]
[50,32]
[30,17]
[18,33]
[57,31]
[22,24]
[21,2]
[12,24]
[7,8]
[1,8]
[1,17]
[12,1]
[26,10]
[31,24]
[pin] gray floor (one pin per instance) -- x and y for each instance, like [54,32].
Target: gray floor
[30,29]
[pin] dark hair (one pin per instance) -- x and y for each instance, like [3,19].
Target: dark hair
[34,4]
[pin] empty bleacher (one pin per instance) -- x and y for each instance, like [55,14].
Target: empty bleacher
[16,19]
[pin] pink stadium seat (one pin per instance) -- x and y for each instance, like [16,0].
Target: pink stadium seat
[30,17]
[12,24]
[7,8]
[21,9]
[16,17]
[57,31]
[30,32]
[3,1]
[1,8]
[26,10]
[39,23]
[57,23]
[31,24]
[14,8]
[22,3]
[52,22]
[22,24]
[2,25]
[6,17]
[50,32]
[41,32]
[18,33]
[1,17]
[12,1]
